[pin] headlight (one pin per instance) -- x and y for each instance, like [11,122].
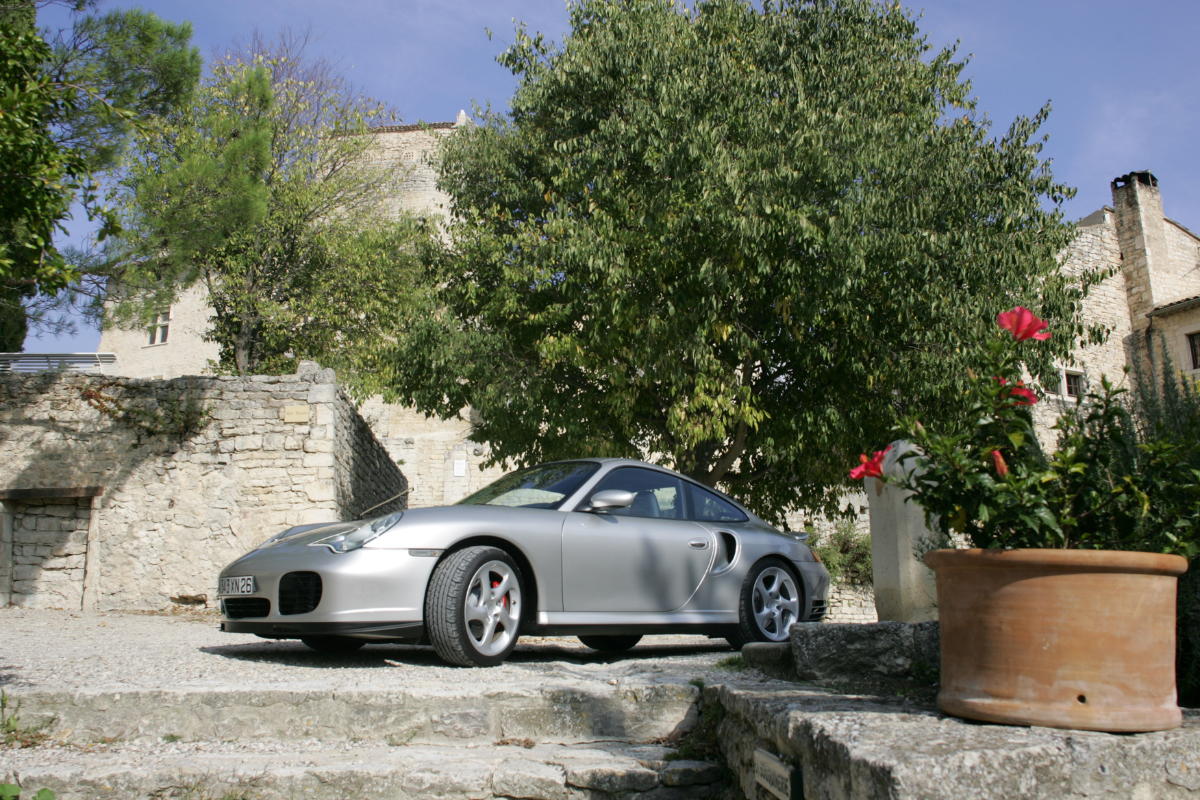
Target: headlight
[345,542]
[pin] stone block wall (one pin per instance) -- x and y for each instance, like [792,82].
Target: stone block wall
[6,552]
[365,471]
[275,451]
[441,462]
[851,600]
[49,548]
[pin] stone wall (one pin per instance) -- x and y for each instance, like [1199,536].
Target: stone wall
[415,190]
[275,451]
[184,353]
[441,462]
[1174,328]
[851,600]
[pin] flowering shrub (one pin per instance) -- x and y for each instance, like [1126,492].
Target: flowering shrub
[989,480]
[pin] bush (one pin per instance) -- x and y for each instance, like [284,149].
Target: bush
[1170,410]
[843,550]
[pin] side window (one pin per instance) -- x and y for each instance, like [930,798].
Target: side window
[708,507]
[655,494]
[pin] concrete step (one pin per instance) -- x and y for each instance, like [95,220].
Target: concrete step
[561,711]
[312,769]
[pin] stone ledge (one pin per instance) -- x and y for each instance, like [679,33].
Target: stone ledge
[770,658]
[861,748]
[269,771]
[894,649]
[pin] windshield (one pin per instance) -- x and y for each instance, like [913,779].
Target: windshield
[536,487]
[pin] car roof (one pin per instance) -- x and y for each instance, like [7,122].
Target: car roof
[633,462]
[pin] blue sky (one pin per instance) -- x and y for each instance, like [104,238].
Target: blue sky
[1123,77]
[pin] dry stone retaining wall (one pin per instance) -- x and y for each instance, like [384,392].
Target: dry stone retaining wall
[274,451]
[851,601]
[49,545]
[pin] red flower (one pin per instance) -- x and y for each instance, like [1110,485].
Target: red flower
[1027,396]
[870,467]
[1001,465]
[1024,324]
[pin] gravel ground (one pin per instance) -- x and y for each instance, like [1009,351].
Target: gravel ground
[74,650]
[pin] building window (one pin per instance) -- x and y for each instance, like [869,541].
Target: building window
[1074,384]
[161,327]
[1194,346]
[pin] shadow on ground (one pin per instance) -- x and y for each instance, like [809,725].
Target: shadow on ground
[389,656]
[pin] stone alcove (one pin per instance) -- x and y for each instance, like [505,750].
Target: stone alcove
[44,538]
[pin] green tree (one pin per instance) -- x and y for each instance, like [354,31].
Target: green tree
[267,191]
[733,238]
[67,101]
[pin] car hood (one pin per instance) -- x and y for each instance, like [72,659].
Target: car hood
[312,534]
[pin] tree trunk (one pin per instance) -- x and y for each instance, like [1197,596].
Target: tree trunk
[244,355]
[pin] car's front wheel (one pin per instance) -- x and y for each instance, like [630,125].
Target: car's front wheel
[333,644]
[473,607]
[771,604]
[611,644]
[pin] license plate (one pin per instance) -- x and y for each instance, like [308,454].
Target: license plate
[234,586]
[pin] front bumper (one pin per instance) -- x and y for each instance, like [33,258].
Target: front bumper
[816,588]
[367,593]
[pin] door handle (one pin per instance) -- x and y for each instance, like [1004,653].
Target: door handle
[699,544]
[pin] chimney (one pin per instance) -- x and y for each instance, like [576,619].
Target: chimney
[1142,235]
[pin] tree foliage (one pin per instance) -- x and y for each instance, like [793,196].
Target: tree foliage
[67,101]
[733,238]
[267,191]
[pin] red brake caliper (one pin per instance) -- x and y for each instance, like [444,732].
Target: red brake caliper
[503,600]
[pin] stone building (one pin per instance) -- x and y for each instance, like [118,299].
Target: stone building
[123,493]
[441,462]
[1153,291]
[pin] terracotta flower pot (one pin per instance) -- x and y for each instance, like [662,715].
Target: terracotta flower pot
[1081,639]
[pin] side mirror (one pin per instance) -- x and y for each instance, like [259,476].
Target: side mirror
[803,537]
[610,498]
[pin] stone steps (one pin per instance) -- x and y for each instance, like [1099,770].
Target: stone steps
[560,712]
[267,770]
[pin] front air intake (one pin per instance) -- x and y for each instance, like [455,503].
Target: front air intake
[242,607]
[299,592]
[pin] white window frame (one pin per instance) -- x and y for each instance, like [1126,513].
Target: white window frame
[160,329]
[1184,357]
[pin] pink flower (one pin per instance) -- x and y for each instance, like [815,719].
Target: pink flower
[870,467]
[1001,465]
[1024,324]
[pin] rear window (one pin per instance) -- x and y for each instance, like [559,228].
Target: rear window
[708,507]
[544,486]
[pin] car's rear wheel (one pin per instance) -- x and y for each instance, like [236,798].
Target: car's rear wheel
[611,644]
[473,607]
[333,644]
[771,604]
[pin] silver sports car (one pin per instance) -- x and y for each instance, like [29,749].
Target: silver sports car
[605,549]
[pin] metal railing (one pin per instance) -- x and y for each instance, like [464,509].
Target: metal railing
[58,362]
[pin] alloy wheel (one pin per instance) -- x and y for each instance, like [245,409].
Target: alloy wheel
[776,603]
[492,607]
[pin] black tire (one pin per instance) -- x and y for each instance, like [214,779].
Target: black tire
[457,581]
[749,628]
[333,644]
[611,644]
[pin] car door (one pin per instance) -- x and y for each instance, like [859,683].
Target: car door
[645,558]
